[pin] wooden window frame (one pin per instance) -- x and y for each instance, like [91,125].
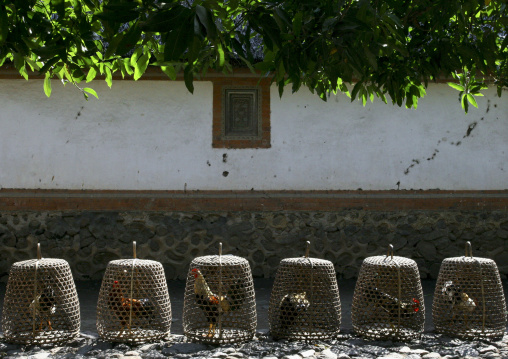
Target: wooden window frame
[219,139]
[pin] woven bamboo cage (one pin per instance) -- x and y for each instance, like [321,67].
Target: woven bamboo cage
[388,299]
[305,302]
[219,304]
[468,300]
[134,304]
[41,304]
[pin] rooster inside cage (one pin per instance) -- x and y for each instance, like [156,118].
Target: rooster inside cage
[219,304]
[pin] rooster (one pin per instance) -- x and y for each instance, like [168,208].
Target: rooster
[211,304]
[43,306]
[291,306]
[459,300]
[123,307]
[391,305]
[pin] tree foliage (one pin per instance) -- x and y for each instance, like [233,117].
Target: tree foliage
[389,49]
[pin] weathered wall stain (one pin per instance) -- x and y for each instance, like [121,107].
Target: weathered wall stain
[469,130]
[414,162]
[79,112]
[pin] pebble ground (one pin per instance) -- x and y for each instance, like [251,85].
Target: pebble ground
[347,345]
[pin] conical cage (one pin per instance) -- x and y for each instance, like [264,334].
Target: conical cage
[41,304]
[134,304]
[219,303]
[388,299]
[305,302]
[469,302]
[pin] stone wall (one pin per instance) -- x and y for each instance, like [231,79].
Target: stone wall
[88,240]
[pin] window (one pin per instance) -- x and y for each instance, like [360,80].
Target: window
[241,113]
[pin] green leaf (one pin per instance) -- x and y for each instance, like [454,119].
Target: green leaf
[91,91]
[167,20]
[220,50]
[47,84]
[4,25]
[118,13]
[77,74]
[249,65]
[282,19]
[113,44]
[126,66]
[356,88]
[135,56]
[169,71]
[3,57]
[465,104]
[188,77]
[206,19]
[194,48]
[49,64]
[370,57]
[177,42]
[92,72]
[472,100]
[456,86]
[33,65]
[129,41]
[280,86]
[109,76]
[297,23]
[19,60]
[141,65]
[22,72]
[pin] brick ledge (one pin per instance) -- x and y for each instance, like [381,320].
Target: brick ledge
[110,200]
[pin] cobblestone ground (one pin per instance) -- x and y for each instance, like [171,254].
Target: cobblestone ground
[347,345]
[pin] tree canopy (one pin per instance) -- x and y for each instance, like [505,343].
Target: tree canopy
[389,49]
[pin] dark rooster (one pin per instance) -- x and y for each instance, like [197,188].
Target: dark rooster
[210,303]
[43,306]
[391,305]
[123,307]
[291,306]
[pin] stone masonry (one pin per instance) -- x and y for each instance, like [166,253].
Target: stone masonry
[89,240]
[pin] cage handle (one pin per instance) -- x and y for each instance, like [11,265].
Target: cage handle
[220,291]
[468,246]
[132,284]
[39,257]
[307,250]
[390,251]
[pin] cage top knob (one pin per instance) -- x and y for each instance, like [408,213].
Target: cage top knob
[468,247]
[390,251]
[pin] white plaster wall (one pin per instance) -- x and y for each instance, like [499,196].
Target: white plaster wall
[154,135]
